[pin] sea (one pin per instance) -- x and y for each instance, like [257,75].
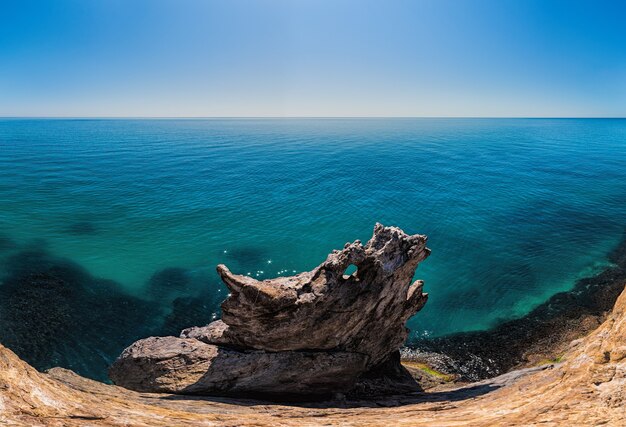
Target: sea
[112,228]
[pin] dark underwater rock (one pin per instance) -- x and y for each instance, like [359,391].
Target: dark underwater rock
[185,298]
[187,311]
[324,314]
[54,313]
[542,335]
[247,257]
[168,284]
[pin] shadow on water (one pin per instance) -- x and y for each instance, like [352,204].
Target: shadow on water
[54,313]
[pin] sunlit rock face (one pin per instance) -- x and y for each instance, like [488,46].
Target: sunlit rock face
[283,330]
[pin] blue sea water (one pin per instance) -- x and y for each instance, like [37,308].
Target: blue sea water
[516,210]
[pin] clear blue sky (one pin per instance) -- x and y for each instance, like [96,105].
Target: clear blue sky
[312,58]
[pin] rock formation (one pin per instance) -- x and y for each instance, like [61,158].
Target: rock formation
[314,333]
[587,388]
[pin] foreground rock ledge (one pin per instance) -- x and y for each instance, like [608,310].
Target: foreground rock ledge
[587,389]
[314,333]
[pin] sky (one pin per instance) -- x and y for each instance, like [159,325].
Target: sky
[206,58]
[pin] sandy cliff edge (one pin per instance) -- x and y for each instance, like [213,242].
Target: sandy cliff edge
[588,388]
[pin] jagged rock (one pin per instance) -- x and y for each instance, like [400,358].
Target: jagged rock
[274,328]
[324,309]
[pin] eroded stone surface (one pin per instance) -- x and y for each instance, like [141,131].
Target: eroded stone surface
[324,309]
[586,389]
[213,333]
[314,333]
[189,366]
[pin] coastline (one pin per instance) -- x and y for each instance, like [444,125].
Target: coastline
[585,389]
[541,337]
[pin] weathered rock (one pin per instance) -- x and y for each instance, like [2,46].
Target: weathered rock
[313,333]
[586,389]
[324,309]
[213,333]
[188,366]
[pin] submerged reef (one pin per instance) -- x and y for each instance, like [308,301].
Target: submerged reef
[54,313]
[82,228]
[315,333]
[7,243]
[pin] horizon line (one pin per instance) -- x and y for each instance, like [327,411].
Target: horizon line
[309,117]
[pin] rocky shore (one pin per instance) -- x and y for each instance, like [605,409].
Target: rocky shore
[306,336]
[575,343]
[542,336]
[587,388]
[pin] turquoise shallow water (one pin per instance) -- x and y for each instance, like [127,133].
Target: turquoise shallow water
[515,209]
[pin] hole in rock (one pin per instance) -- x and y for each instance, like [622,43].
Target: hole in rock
[349,271]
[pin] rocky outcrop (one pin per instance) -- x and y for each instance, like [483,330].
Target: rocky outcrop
[310,334]
[169,364]
[587,388]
